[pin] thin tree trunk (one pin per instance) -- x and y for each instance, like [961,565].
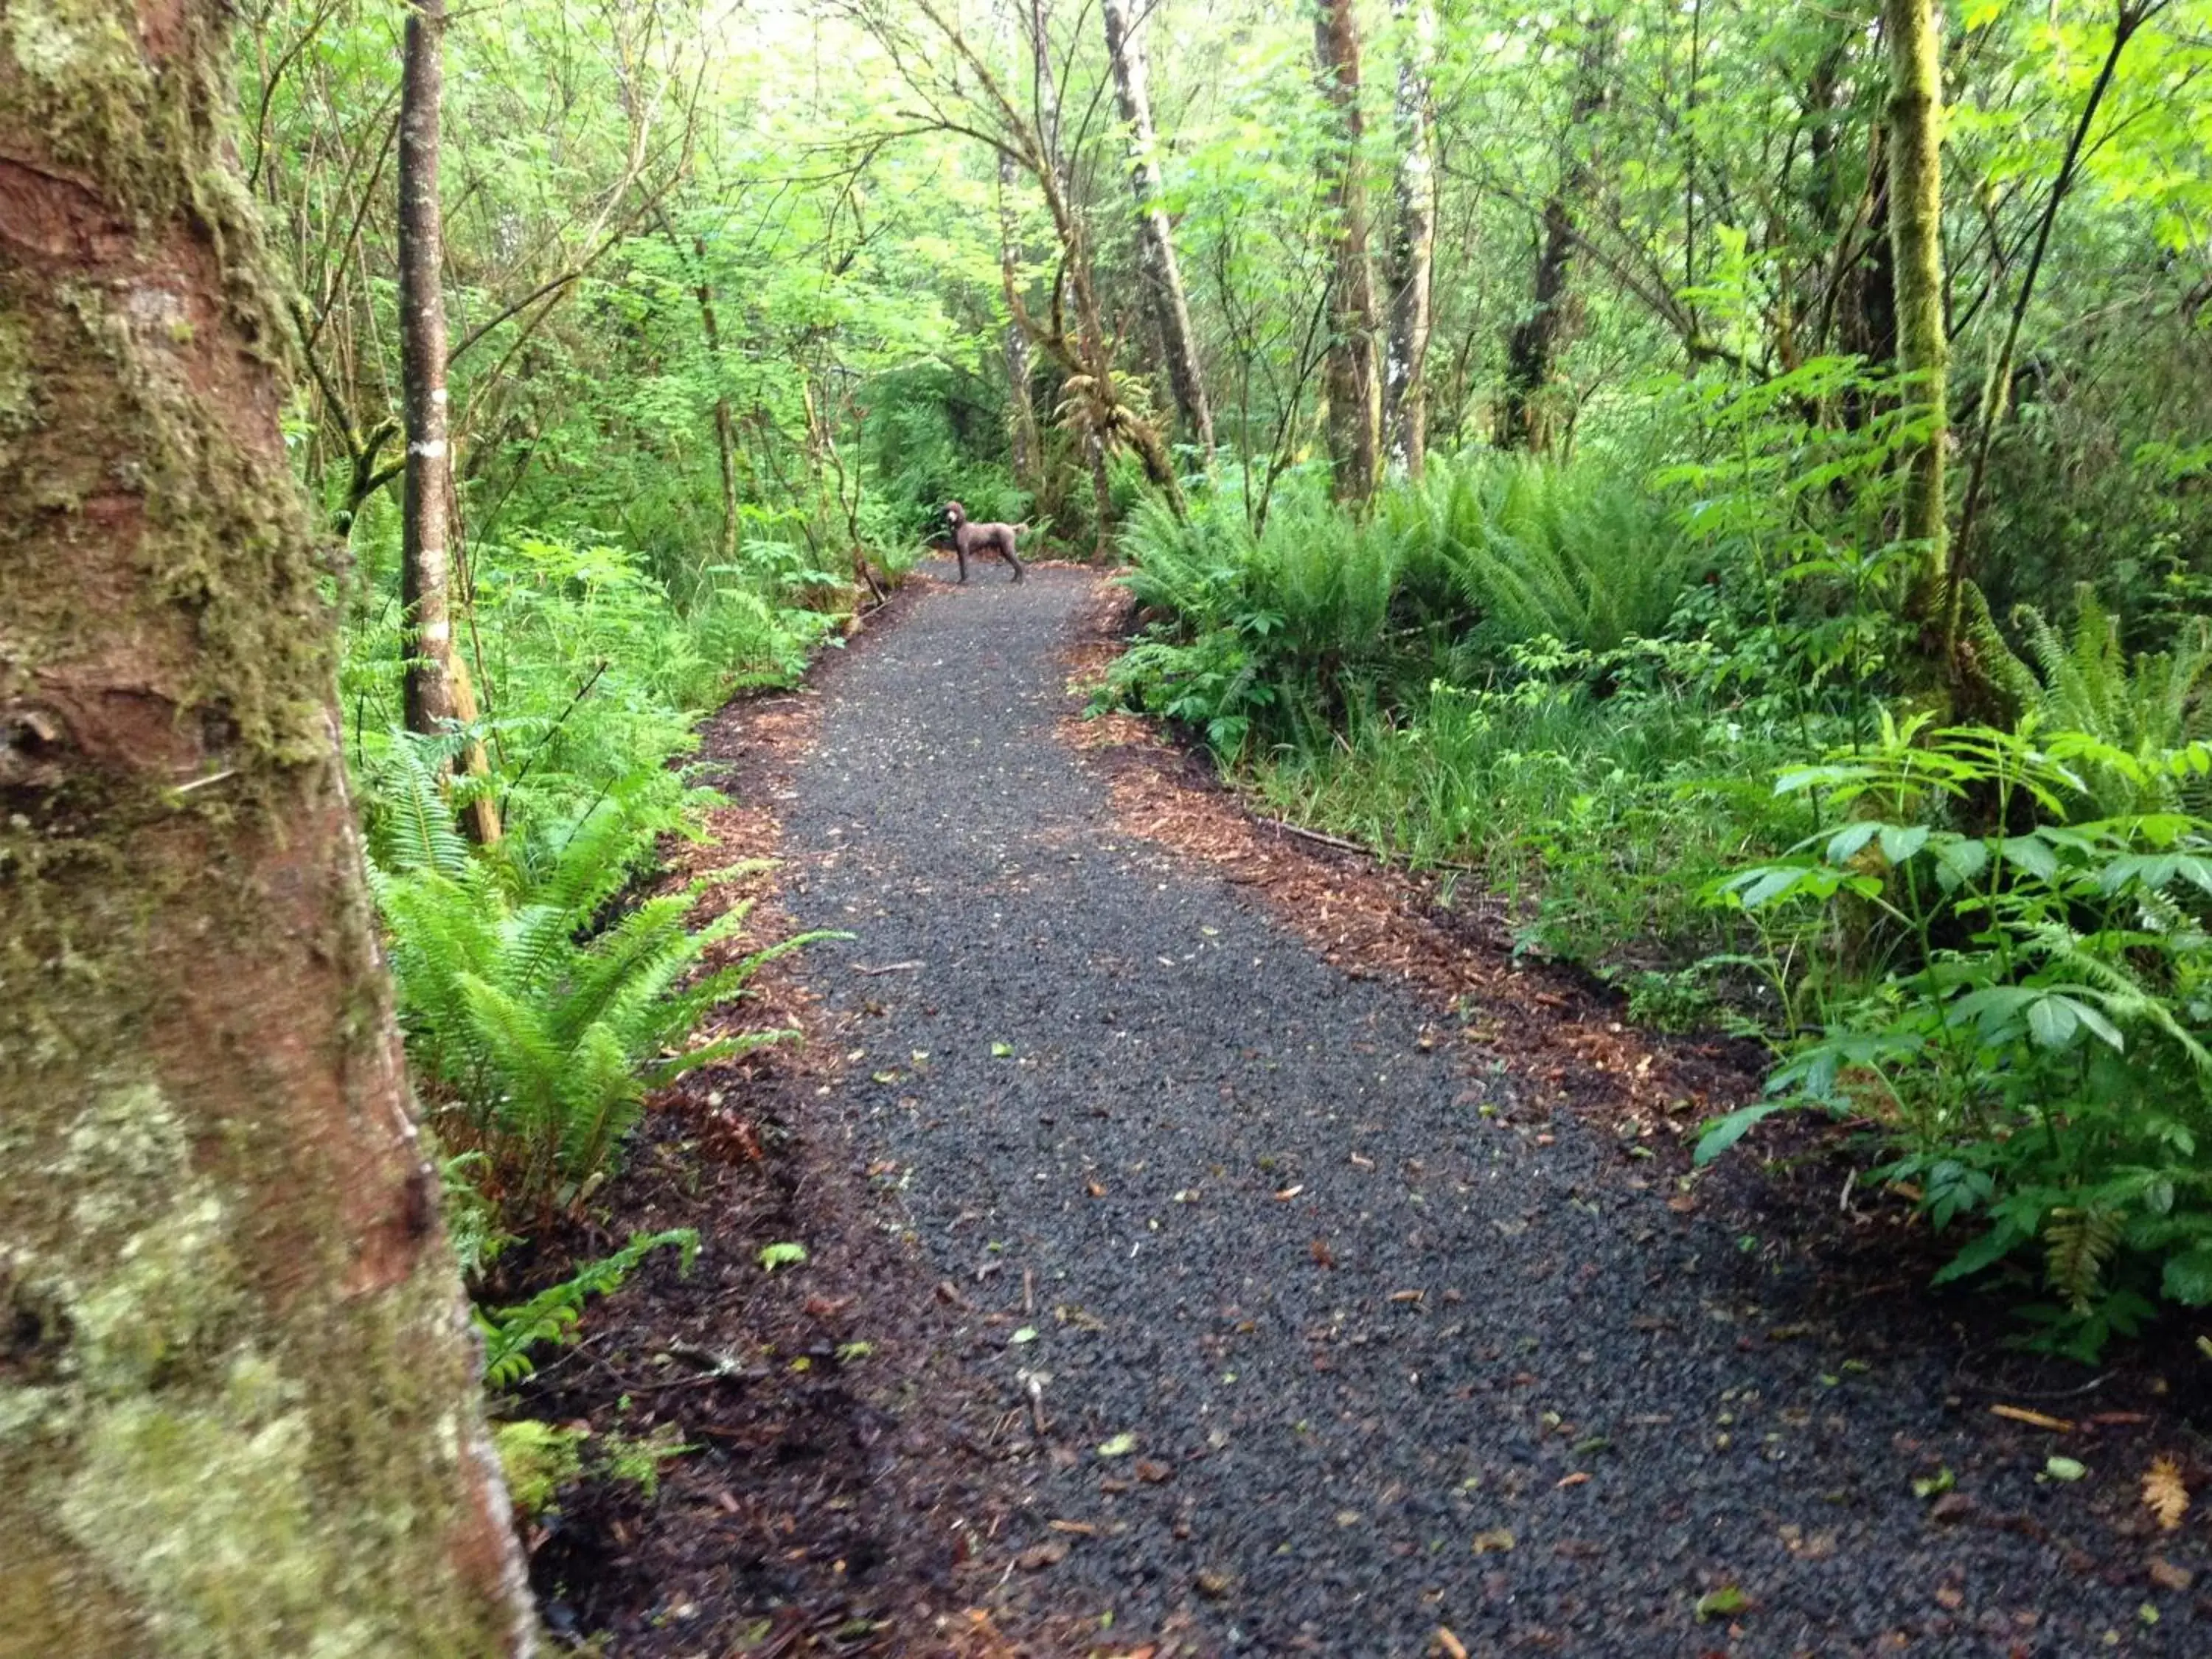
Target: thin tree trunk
[244,1415]
[1916,235]
[1413,244]
[1353,382]
[435,689]
[725,426]
[1531,350]
[1021,410]
[1163,279]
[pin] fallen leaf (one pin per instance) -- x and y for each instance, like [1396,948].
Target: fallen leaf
[1049,1554]
[1080,1528]
[1951,1506]
[1935,1485]
[1322,1255]
[1450,1645]
[1096,1191]
[1951,1596]
[1151,1473]
[1493,1540]
[1721,1603]
[2064,1468]
[2034,1419]
[1002,1051]
[1682,1204]
[2166,1576]
[1405,1296]
[1574,1479]
[1027,1334]
[1214,1583]
[1289,1193]
[2163,1493]
[1119,1446]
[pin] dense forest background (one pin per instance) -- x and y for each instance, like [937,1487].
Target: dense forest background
[1532,433]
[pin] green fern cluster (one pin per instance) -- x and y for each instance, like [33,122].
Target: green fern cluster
[1535,550]
[2146,707]
[541,1032]
[1318,609]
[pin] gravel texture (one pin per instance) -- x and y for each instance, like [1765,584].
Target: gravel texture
[1335,1342]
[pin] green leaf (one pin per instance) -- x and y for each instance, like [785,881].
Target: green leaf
[1721,1603]
[1002,1051]
[2052,1020]
[772,1256]
[1935,1485]
[1725,1131]
[2030,853]
[1119,1446]
[2188,1277]
[2064,1468]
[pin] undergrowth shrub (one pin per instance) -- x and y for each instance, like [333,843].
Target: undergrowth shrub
[2023,1018]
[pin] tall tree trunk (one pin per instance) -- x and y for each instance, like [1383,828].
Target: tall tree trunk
[435,689]
[1524,420]
[1351,380]
[1163,279]
[1916,235]
[1412,243]
[243,1414]
[1091,361]
[1021,409]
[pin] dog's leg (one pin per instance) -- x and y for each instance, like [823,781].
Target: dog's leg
[1013,558]
[960,551]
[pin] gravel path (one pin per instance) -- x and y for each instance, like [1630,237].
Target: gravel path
[1384,1357]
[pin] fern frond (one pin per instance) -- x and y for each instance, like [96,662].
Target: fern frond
[2077,1247]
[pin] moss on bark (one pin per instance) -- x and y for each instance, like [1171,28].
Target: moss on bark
[238,1399]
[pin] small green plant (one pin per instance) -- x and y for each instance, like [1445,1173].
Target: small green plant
[510,1334]
[637,1461]
[783,1255]
[538,1459]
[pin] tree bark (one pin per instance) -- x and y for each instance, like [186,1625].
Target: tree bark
[435,690]
[241,1407]
[1162,278]
[1916,236]
[1413,244]
[1351,377]
[1524,421]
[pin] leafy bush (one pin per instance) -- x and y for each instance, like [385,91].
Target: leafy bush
[2033,1049]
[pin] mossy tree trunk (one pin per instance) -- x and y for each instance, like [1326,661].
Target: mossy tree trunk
[240,1410]
[1351,374]
[435,689]
[1916,236]
[1532,349]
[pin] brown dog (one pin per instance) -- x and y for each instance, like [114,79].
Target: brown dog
[968,538]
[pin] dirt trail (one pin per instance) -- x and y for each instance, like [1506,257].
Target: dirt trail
[1335,1341]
